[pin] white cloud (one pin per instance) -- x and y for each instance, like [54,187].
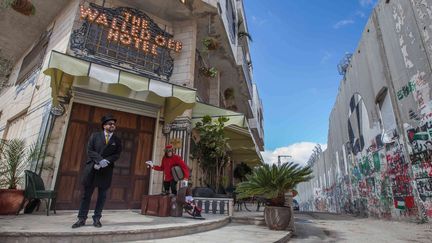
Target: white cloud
[361,14]
[343,23]
[258,21]
[365,3]
[299,152]
[326,56]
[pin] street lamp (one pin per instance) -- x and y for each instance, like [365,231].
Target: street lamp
[282,156]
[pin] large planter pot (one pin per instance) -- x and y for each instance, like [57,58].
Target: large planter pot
[11,201]
[277,218]
[288,199]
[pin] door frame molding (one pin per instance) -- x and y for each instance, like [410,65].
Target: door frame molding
[108,101]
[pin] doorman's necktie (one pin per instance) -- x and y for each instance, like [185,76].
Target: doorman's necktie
[106,138]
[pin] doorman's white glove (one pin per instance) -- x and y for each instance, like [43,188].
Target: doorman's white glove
[103,163]
[96,166]
[150,163]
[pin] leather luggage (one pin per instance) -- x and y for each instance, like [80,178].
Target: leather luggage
[156,205]
[176,208]
[178,202]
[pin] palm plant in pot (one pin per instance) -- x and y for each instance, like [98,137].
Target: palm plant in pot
[272,182]
[15,156]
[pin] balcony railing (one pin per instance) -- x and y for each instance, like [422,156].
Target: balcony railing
[247,73]
[223,206]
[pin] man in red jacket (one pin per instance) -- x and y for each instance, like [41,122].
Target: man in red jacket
[168,161]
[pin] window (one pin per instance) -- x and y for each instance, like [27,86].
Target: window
[15,128]
[32,62]
[231,17]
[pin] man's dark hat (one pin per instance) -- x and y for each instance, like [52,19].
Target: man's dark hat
[107,118]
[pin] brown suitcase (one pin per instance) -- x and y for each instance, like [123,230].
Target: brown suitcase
[176,208]
[178,202]
[156,205]
[164,206]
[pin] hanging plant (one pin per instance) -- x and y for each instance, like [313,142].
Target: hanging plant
[242,34]
[209,72]
[210,43]
[229,93]
[24,7]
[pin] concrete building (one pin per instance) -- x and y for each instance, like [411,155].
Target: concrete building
[378,159]
[157,65]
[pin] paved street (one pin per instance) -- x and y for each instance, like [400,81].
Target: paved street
[321,227]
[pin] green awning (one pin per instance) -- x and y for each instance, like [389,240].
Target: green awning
[240,140]
[67,71]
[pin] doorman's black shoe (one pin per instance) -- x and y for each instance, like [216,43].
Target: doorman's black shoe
[79,223]
[97,223]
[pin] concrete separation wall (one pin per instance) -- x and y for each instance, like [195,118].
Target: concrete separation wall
[379,156]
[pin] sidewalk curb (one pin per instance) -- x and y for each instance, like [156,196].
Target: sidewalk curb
[285,238]
[113,236]
[259,221]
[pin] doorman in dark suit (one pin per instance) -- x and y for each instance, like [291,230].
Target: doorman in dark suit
[103,150]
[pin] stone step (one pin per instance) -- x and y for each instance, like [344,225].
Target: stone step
[117,226]
[259,220]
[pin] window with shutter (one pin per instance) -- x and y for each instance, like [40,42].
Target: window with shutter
[32,62]
[231,17]
[15,128]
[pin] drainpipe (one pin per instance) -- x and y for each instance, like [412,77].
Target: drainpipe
[396,111]
[45,136]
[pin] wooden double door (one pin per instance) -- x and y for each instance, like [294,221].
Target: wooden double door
[131,175]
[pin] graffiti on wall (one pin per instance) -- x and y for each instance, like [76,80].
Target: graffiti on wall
[388,172]
[420,143]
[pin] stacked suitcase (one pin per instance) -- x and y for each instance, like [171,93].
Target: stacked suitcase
[156,205]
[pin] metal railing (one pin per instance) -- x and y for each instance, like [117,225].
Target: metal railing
[247,73]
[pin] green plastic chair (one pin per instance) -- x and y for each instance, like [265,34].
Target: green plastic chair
[35,189]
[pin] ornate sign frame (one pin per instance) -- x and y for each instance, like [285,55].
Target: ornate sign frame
[124,38]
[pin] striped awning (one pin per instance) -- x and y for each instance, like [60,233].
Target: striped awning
[240,142]
[68,71]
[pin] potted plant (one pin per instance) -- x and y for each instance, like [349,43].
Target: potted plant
[210,150]
[272,182]
[24,7]
[209,72]
[229,94]
[210,43]
[15,156]
[241,34]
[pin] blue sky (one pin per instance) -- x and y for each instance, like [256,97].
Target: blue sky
[296,47]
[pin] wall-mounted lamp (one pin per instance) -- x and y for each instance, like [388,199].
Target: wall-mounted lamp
[166,129]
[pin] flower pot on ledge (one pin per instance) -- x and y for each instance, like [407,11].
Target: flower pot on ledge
[208,72]
[210,43]
[24,7]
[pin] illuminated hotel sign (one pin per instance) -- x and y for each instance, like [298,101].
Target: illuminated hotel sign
[138,34]
[126,38]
